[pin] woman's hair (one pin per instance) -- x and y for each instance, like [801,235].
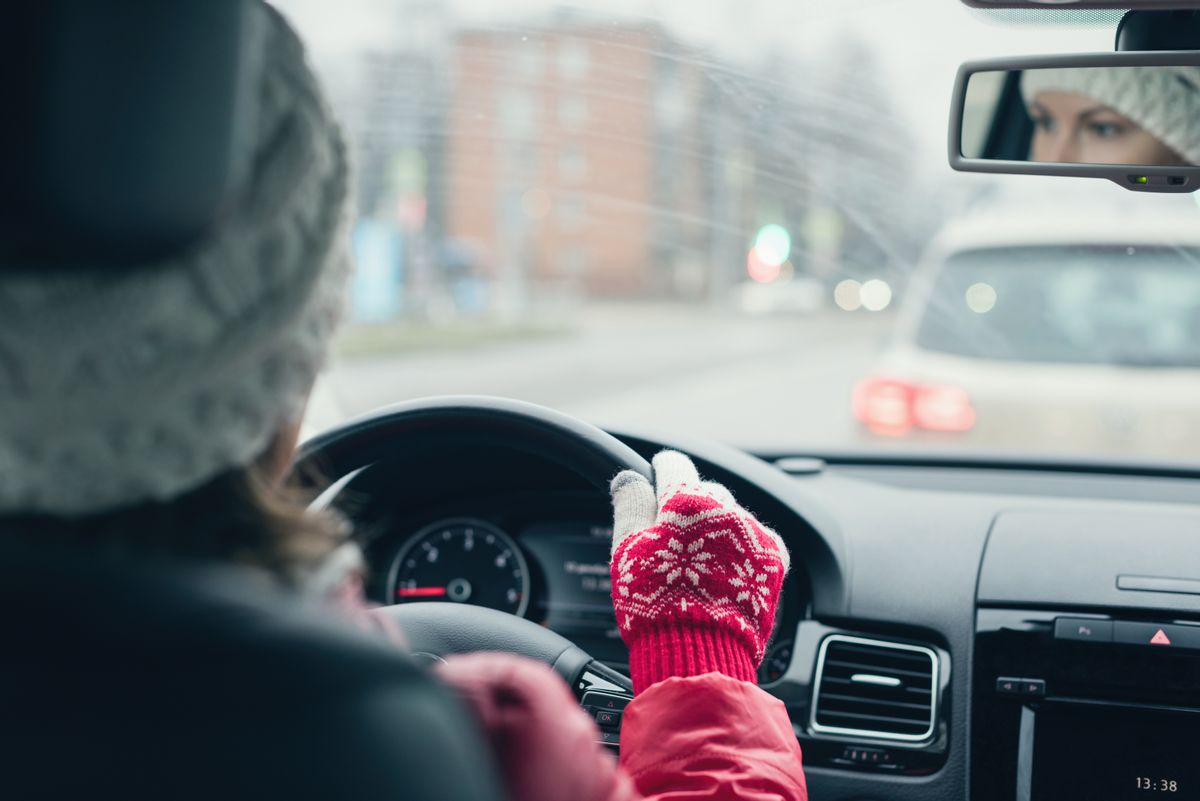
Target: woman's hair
[244,515]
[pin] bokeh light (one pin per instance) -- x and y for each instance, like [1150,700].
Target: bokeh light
[773,244]
[761,271]
[876,295]
[848,295]
[981,298]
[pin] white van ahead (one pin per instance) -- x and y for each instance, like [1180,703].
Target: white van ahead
[1022,331]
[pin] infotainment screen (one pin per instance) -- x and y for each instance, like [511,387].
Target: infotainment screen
[1114,754]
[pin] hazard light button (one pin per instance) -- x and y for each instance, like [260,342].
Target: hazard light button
[1166,636]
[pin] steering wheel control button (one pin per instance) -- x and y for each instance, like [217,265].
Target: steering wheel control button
[1033,688]
[1083,629]
[605,701]
[608,718]
[606,709]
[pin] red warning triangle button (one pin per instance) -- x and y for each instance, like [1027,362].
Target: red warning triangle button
[1160,638]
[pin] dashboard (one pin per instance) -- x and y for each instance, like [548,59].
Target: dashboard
[543,557]
[950,630]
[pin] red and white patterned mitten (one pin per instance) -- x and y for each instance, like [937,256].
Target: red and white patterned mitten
[695,577]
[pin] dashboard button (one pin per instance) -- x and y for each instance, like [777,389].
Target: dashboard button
[867,756]
[1083,629]
[1185,637]
[1007,685]
[1156,635]
[1033,688]
[1127,632]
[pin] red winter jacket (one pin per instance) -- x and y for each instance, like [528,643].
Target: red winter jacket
[706,737]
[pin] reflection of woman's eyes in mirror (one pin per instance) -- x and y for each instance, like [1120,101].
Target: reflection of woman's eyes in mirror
[1106,129]
[1042,119]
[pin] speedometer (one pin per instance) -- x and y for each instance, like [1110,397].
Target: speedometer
[463,561]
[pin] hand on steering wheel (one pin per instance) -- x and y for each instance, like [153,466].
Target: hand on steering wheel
[696,578]
[545,745]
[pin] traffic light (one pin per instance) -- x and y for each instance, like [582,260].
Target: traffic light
[772,246]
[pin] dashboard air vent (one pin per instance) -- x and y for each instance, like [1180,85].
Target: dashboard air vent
[875,689]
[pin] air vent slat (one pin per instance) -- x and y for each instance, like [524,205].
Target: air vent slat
[852,699]
[901,722]
[909,690]
[875,689]
[873,714]
[855,666]
[897,657]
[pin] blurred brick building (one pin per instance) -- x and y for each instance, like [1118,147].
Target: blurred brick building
[573,155]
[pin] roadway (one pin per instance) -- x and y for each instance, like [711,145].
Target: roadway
[752,381]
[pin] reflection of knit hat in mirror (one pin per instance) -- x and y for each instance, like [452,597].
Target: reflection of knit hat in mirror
[124,386]
[1163,100]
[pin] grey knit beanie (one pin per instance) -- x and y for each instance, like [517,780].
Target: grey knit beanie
[1163,100]
[120,387]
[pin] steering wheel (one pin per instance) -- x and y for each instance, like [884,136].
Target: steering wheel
[436,629]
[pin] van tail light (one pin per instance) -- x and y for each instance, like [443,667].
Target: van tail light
[939,407]
[884,405]
[893,406]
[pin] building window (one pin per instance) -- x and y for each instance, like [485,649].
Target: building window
[523,161]
[574,59]
[574,262]
[572,164]
[529,61]
[572,111]
[518,114]
[572,213]
[671,104]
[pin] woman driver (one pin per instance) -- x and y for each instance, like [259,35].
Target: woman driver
[155,410]
[1114,115]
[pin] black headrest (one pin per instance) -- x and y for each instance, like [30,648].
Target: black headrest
[125,125]
[157,680]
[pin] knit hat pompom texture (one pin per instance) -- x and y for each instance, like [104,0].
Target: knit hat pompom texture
[1165,101]
[125,386]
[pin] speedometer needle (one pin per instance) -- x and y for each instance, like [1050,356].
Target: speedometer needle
[420,592]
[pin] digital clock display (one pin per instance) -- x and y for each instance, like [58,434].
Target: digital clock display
[1162,785]
[1114,754]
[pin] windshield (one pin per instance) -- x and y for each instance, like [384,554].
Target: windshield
[710,219]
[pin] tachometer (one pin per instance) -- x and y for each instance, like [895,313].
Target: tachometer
[464,561]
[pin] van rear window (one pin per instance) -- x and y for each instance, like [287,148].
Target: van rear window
[1134,306]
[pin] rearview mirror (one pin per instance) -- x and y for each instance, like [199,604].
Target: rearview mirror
[1132,117]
